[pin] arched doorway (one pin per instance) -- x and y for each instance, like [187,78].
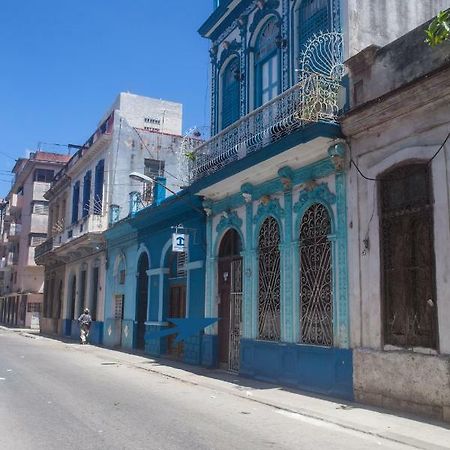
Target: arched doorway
[230,299]
[141,300]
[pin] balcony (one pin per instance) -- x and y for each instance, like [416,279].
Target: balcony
[65,238]
[313,100]
[44,248]
[39,189]
[14,231]
[15,202]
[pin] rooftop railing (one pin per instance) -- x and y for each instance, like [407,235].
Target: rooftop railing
[314,99]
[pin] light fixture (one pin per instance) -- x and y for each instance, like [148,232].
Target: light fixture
[136,176]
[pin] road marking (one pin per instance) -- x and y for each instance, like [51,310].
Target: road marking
[2,379]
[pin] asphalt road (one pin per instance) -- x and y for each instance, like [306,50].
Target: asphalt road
[55,395]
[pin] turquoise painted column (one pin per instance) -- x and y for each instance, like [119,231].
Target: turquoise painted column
[210,275]
[337,156]
[249,275]
[342,261]
[286,271]
[295,258]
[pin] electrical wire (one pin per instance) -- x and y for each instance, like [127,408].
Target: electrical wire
[8,156]
[149,152]
[352,162]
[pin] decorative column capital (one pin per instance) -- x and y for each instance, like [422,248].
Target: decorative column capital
[337,154]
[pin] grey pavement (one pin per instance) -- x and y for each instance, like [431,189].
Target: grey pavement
[60,395]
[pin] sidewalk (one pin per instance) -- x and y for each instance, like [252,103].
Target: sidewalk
[409,430]
[406,429]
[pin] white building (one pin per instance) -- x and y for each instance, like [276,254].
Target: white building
[399,229]
[24,226]
[94,189]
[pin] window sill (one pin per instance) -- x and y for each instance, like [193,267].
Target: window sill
[421,350]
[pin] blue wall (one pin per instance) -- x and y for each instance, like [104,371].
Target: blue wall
[150,230]
[322,370]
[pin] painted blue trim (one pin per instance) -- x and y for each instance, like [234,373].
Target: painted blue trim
[319,194]
[321,370]
[218,14]
[342,262]
[286,319]
[210,354]
[271,208]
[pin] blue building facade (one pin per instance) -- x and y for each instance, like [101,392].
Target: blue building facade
[274,187]
[148,283]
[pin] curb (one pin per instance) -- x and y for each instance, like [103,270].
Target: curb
[392,437]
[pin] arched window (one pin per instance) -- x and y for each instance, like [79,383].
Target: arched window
[269,281]
[230,93]
[314,17]
[408,257]
[267,63]
[316,300]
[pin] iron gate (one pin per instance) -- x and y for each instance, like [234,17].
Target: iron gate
[235,314]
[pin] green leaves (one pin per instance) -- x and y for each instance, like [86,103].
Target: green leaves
[439,29]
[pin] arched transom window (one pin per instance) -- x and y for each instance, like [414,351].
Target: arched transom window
[267,63]
[269,280]
[230,93]
[316,301]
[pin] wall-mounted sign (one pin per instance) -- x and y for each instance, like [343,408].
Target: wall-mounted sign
[180,242]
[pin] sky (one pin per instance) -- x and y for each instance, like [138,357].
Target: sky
[63,62]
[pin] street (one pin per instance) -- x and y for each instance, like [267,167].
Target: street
[56,395]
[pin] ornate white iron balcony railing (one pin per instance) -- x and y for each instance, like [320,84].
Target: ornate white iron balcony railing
[314,99]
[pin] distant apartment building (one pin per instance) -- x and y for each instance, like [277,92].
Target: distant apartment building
[24,216]
[93,191]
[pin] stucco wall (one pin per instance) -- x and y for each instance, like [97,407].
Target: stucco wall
[403,380]
[136,108]
[379,22]
[75,268]
[408,124]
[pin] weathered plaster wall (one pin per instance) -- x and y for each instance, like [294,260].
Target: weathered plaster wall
[408,124]
[403,380]
[378,22]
